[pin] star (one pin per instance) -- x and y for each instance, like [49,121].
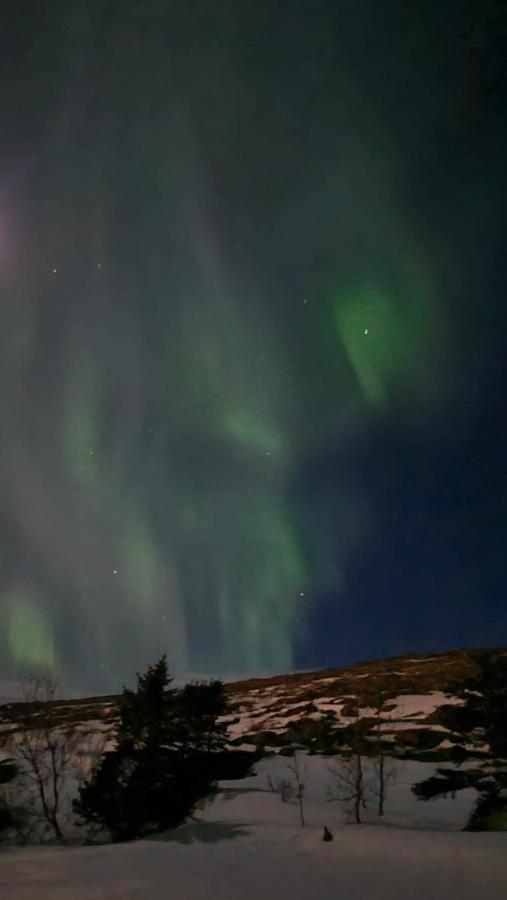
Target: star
[366,331]
[115,571]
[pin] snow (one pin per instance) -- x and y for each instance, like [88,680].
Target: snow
[410,705]
[329,707]
[251,799]
[292,706]
[357,865]
[280,722]
[247,843]
[93,725]
[268,715]
[424,659]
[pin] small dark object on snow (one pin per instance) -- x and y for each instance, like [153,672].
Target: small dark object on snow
[327,836]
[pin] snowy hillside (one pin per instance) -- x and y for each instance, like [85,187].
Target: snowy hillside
[281,715]
[275,712]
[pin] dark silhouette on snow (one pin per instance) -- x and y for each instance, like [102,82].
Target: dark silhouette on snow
[168,745]
[327,836]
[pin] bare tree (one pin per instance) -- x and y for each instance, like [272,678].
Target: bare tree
[293,786]
[383,767]
[44,754]
[385,771]
[297,767]
[39,689]
[349,777]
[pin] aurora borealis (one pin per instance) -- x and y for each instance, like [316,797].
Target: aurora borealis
[252,303]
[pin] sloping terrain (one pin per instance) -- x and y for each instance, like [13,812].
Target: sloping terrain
[399,699]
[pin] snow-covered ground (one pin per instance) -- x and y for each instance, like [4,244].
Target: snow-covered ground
[272,711]
[246,844]
[248,864]
[252,800]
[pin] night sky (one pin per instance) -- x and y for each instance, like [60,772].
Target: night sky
[253,280]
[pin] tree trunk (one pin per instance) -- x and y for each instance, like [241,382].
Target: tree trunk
[301,810]
[359,792]
[381,785]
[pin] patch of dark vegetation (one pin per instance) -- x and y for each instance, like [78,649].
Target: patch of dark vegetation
[490,814]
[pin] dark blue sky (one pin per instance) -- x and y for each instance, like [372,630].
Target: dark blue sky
[432,576]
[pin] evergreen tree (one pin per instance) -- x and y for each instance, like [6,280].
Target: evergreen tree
[164,759]
[145,714]
[200,705]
